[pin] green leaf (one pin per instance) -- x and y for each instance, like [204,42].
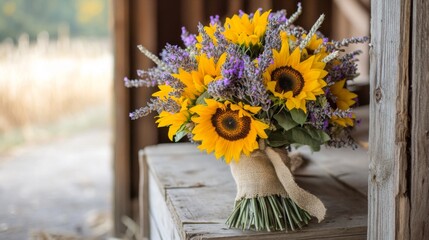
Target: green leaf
[324,136]
[180,133]
[317,134]
[277,139]
[307,135]
[298,116]
[285,120]
[201,99]
[301,136]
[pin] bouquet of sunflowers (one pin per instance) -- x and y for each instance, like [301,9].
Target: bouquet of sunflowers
[247,90]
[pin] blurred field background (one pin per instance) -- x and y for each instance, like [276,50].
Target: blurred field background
[55,68]
[46,86]
[56,79]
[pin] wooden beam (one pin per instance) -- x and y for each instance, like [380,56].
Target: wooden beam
[256,4]
[192,14]
[121,162]
[144,196]
[389,85]
[143,31]
[419,224]
[234,7]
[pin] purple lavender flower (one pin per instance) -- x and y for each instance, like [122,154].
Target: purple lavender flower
[187,38]
[325,124]
[233,67]
[176,57]
[214,20]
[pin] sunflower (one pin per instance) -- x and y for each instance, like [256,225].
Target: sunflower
[316,43]
[244,30]
[344,100]
[293,81]
[227,129]
[174,121]
[164,92]
[196,81]
[210,30]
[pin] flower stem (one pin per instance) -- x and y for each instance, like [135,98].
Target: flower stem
[269,213]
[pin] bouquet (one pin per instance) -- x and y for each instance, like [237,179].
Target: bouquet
[246,90]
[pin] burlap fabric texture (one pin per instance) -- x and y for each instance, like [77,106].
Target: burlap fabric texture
[267,172]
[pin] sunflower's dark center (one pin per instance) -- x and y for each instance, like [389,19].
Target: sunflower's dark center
[288,79]
[229,125]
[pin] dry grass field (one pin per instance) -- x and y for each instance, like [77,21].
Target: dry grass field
[49,81]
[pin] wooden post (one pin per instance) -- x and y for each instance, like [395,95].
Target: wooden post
[399,125]
[419,202]
[121,163]
[388,203]
[134,24]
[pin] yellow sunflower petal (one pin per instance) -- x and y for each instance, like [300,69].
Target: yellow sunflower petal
[293,81]
[228,129]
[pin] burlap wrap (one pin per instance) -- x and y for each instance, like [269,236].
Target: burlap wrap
[267,172]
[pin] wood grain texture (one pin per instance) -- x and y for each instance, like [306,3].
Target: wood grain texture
[162,214]
[144,218]
[419,223]
[128,34]
[337,163]
[389,82]
[142,26]
[199,194]
[155,232]
[192,12]
[121,164]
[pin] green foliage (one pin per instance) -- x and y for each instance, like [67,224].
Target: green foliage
[298,116]
[307,136]
[277,139]
[201,100]
[292,130]
[80,17]
[182,132]
[285,120]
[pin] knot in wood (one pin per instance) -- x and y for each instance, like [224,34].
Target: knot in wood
[378,94]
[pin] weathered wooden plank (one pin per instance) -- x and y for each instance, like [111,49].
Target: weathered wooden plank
[208,205]
[419,224]
[348,166]
[121,164]
[388,201]
[176,171]
[161,213]
[145,225]
[219,231]
[171,149]
[200,192]
[182,165]
[155,232]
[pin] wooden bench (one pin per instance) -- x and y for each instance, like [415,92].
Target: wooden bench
[186,194]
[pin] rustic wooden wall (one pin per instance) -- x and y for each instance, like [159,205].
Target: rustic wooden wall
[399,126]
[153,23]
[419,202]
